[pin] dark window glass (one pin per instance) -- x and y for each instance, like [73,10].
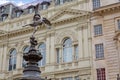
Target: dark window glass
[76,52]
[31,10]
[26,49]
[4,17]
[12,60]
[18,13]
[58,55]
[77,78]
[68,78]
[118,24]
[101,74]
[67,50]
[99,49]
[98,29]
[45,6]
[59,2]
[96,4]
[42,49]
[2,9]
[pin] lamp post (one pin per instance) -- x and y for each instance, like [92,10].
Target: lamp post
[32,71]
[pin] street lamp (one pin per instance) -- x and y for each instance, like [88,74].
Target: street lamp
[33,56]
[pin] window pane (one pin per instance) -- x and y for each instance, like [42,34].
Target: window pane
[26,49]
[96,4]
[42,49]
[44,6]
[4,17]
[12,59]
[58,57]
[76,52]
[67,50]
[30,10]
[99,50]
[77,78]
[98,29]
[118,24]
[101,74]
[18,14]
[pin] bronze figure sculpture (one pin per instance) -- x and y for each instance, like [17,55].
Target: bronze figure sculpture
[32,71]
[38,20]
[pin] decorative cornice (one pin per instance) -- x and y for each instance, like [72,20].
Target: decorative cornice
[29,29]
[109,9]
[68,70]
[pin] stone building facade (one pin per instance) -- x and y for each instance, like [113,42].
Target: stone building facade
[83,43]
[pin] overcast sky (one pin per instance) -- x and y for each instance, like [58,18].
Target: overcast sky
[17,2]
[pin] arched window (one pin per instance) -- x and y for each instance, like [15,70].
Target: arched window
[25,50]
[12,59]
[42,49]
[67,50]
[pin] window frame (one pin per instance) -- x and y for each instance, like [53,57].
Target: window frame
[25,51]
[118,24]
[101,74]
[98,30]
[66,48]
[4,17]
[30,10]
[12,59]
[99,51]
[43,53]
[96,4]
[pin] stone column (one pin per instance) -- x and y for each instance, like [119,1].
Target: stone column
[80,42]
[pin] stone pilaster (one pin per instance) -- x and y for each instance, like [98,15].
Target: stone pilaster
[52,53]
[85,38]
[19,60]
[48,49]
[80,41]
[4,65]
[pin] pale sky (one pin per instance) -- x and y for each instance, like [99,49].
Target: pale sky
[17,2]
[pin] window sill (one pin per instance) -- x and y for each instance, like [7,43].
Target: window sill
[97,59]
[98,35]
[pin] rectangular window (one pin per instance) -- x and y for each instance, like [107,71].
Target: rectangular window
[30,10]
[99,49]
[58,55]
[96,4]
[98,30]
[101,74]
[118,22]
[68,78]
[18,14]
[76,52]
[77,78]
[44,6]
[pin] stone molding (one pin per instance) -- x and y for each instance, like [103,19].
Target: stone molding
[109,9]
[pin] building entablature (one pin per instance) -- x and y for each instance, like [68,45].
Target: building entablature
[56,20]
[108,9]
